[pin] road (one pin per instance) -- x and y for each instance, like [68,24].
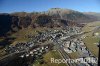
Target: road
[14,55]
[61,50]
[8,59]
[63,53]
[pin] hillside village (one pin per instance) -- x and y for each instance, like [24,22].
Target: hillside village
[43,42]
[49,33]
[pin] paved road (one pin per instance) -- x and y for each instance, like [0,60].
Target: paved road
[63,53]
[4,61]
[11,56]
[61,50]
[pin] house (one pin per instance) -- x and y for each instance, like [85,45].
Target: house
[67,50]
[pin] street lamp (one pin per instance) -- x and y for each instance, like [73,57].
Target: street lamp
[98,35]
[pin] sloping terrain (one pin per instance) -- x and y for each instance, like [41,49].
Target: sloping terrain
[93,14]
[72,15]
[19,24]
[55,17]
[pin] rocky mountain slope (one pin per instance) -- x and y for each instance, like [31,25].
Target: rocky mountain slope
[55,17]
[68,14]
[97,15]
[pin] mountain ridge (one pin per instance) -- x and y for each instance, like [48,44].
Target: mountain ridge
[55,17]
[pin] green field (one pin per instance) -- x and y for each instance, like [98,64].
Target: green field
[91,26]
[74,55]
[91,40]
[47,59]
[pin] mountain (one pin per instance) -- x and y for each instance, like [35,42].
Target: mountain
[97,15]
[55,17]
[11,23]
[72,15]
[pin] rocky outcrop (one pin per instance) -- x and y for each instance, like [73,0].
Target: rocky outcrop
[55,17]
[72,15]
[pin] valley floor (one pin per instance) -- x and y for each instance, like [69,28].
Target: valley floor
[44,44]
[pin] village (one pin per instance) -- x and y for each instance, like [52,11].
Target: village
[44,41]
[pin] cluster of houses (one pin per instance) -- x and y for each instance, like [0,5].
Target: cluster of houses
[20,46]
[75,45]
[41,37]
[37,52]
[55,36]
[88,61]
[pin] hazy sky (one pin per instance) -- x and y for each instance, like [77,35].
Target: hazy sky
[9,6]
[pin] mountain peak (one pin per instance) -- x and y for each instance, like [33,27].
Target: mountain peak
[60,9]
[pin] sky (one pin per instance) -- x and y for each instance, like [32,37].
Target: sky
[9,6]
